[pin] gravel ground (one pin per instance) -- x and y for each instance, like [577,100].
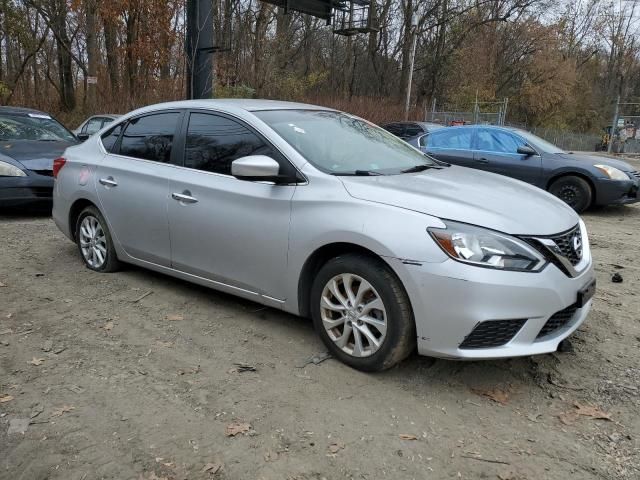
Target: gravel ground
[99,380]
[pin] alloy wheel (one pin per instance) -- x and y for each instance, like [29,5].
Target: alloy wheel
[93,242]
[353,315]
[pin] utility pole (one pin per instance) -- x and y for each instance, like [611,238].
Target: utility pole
[200,49]
[614,125]
[412,58]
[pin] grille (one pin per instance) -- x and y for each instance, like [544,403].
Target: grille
[634,174]
[492,333]
[46,173]
[557,321]
[565,245]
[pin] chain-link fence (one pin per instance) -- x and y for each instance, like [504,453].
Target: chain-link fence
[580,142]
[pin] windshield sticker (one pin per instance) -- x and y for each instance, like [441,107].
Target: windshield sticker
[39,115]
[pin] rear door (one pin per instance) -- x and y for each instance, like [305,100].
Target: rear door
[133,184]
[496,151]
[232,231]
[451,145]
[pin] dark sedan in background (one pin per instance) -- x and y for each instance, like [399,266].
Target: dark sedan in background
[29,142]
[581,180]
[409,129]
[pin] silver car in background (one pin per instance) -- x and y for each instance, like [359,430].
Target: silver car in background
[322,214]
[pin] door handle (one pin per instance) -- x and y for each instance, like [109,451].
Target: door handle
[482,160]
[108,182]
[184,197]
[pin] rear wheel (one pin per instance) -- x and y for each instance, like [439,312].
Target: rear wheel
[94,241]
[574,191]
[362,312]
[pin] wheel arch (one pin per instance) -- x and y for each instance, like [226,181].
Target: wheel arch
[317,259]
[573,173]
[74,212]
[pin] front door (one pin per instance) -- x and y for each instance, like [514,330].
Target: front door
[231,231]
[133,180]
[497,151]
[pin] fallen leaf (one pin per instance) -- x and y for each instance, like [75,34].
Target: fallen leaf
[108,326]
[496,394]
[234,429]
[175,317]
[336,447]
[591,411]
[5,398]
[3,284]
[64,409]
[407,436]
[212,468]
[36,361]
[569,418]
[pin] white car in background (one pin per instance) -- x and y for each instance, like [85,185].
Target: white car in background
[92,124]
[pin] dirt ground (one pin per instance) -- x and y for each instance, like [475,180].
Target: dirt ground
[113,384]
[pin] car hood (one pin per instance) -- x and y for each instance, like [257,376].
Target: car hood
[469,196]
[596,160]
[34,155]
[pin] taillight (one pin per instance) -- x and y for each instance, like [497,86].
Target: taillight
[58,163]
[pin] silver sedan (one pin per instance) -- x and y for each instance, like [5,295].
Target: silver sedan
[323,214]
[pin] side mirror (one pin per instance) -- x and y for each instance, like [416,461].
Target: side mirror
[82,136]
[256,168]
[526,150]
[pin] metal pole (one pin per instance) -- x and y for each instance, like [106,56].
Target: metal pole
[414,32]
[199,49]
[504,112]
[614,125]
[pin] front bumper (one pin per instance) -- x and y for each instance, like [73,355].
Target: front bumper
[450,299]
[617,192]
[29,190]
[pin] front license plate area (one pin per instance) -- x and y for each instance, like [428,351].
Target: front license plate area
[586,294]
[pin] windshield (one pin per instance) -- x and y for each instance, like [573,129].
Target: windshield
[33,127]
[341,144]
[538,143]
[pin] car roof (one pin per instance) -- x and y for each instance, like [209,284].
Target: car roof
[248,104]
[20,111]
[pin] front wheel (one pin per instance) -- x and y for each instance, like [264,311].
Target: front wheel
[574,191]
[362,312]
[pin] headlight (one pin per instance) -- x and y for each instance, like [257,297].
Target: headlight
[612,172]
[8,170]
[486,248]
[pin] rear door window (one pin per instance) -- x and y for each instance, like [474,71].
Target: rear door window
[452,138]
[150,137]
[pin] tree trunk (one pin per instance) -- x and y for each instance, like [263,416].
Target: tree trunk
[110,46]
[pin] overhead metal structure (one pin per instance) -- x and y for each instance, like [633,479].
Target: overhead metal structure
[348,17]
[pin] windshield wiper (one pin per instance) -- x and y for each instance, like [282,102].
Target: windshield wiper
[366,173]
[420,168]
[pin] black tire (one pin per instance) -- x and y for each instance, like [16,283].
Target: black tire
[111,262]
[400,339]
[574,191]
